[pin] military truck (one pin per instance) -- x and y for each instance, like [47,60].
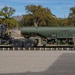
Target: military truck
[38,36]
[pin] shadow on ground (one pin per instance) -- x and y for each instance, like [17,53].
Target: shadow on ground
[64,65]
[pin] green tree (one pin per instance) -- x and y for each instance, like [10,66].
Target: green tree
[38,16]
[63,21]
[7,12]
[0,20]
[71,17]
[6,17]
[11,23]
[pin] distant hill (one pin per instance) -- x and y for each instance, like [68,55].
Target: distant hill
[18,18]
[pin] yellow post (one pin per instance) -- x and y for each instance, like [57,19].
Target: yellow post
[62,49]
[3,49]
[29,49]
[23,48]
[40,48]
[56,48]
[8,49]
[34,49]
[73,49]
[13,48]
[51,49]
[45,49]
[67,49]
[18,48]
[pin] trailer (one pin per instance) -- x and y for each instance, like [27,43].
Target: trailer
[38,37]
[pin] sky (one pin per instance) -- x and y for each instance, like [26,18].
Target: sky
[60,8]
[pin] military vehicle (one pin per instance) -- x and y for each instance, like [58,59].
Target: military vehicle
[47,36]
[38,36]
[5,37]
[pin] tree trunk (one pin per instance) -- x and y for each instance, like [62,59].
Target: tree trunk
[35,24]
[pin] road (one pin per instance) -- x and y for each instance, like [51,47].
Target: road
[37,62]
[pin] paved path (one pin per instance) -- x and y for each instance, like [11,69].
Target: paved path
[37,62]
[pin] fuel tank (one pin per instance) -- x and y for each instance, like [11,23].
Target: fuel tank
[60,32]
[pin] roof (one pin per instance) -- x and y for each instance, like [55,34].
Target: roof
[18,18]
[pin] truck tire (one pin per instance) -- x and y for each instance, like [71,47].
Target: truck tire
[17,43]
[28,43]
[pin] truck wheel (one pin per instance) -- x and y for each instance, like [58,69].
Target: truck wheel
[17,43]
[29,43]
